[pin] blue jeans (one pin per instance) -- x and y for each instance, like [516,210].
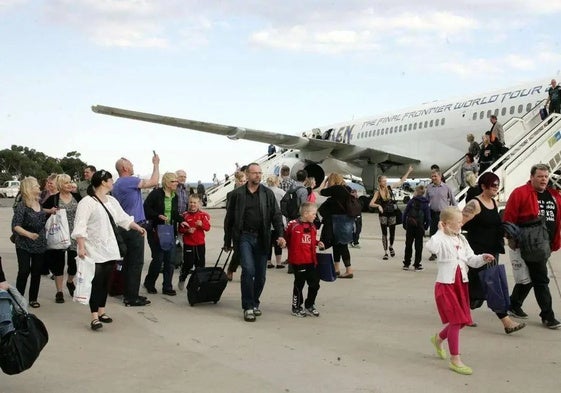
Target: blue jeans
[6,325]
[253,260]
[159,256]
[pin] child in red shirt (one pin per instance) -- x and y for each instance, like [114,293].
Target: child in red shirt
[301,240]
[196,223]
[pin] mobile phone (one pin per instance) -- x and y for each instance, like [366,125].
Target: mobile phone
[154,152]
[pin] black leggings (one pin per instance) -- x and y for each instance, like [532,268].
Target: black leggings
[100,284]
[385,235]
[29,263]
[55,259]
[341,251]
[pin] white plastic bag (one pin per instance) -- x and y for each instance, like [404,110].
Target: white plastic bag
[84,276]
[58,232]
[519,269]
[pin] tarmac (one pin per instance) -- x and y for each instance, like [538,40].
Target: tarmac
[372,336]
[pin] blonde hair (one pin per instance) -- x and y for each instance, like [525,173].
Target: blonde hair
[307,206]
[272,181]
[335,179]
[61,180]
[309,181]
[449,213]
[167,178]
[470,138]
[194,197]
[26,189]
[471,179]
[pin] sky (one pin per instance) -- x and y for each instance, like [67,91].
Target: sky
[284,66]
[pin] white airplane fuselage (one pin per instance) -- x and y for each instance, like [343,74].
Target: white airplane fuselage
[435,132]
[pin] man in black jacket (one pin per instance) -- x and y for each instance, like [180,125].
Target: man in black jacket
[251,211]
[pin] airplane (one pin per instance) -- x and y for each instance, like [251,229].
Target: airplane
[423,135]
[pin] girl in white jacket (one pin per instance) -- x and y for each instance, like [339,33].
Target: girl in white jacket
[451,288]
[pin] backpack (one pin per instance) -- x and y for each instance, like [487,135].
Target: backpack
[534,241]
[416,215]
[353,207]
[290,204]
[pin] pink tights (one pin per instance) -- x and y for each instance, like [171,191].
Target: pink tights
[452,333]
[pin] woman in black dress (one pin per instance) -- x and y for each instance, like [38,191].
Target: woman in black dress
[485,235]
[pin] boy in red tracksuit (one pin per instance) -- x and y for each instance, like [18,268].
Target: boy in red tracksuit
[301,240]
[195,223]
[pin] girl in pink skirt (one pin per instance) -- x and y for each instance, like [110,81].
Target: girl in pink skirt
[451,288]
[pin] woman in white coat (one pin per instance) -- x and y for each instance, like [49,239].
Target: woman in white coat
[96,239]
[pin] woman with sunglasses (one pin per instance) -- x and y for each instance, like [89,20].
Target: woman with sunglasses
[161,207]
[485,235]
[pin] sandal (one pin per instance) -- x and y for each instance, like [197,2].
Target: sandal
[34,304]
[96,325]
[346,275]
[392,252]
[105,318]
[385,258]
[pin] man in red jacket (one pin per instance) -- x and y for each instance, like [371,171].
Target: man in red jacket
[526,203]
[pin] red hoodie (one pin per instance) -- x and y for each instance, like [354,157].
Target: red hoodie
[301,241]
[522,206]
[196,238]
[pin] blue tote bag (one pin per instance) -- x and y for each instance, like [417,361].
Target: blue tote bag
[495,288]
[166,236]
[326,269]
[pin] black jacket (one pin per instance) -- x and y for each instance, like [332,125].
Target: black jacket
[154,206]
[270,216]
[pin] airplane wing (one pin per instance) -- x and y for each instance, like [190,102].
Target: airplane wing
[346,152]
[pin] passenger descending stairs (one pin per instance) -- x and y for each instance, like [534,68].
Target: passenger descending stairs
[542,144]
[216,195]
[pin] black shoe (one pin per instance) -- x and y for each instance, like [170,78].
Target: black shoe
[169,292]
[517,313]
[151,290]
[137,302]
[59,297]
[95,325]
[552,324]
[418,268]
[405,267]
[432,257]
[270,266]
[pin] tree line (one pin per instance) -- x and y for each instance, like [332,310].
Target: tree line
[19,162]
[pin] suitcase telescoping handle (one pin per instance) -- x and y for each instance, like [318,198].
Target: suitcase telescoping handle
[218,260]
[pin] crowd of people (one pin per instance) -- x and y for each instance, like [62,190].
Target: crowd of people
[112,215]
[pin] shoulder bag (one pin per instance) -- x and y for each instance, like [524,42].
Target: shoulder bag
[120,241]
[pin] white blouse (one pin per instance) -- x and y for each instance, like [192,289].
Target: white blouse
[452,251]
[92,223]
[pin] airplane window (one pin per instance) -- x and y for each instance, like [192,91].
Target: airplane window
[520,108]
[528,107]
[474,116]
[503,111]
[496,113]
[391,130]
[431,123]
[387,130]
[512,110]
[489,113]
[481,114]
[426,123]
[436,122]
[400,128]
[420,125]
[442,123]
[414,126]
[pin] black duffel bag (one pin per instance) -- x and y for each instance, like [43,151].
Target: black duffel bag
[20,348]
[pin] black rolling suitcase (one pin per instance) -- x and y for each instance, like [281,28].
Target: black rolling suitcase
[207,284]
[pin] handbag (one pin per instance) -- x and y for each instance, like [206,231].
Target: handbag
[20,348]
[326,268]
[398,216]
[85,273]
[57,231]
[495,287]
[166,236]
[120,241]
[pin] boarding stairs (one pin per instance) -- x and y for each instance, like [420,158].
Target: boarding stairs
[270,165]
[541,145]
[515,129]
